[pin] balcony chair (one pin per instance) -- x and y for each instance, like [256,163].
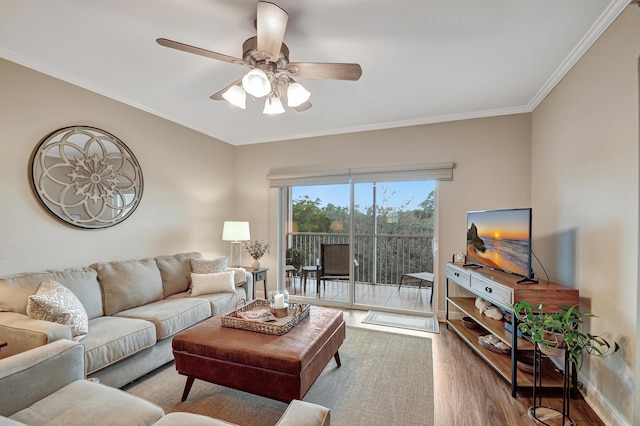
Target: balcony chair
[334,263]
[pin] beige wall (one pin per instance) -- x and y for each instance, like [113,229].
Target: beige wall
[188,190]
[585,199]
[492,157]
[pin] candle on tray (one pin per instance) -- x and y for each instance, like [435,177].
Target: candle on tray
[278,301]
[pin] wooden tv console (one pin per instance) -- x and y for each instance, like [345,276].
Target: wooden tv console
[501,290]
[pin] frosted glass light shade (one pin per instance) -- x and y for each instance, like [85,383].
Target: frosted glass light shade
[256,83]
[235,231]
[273,106]
[236,96]
[297,95]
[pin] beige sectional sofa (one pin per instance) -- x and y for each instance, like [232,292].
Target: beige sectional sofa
[134,307]
[45,386]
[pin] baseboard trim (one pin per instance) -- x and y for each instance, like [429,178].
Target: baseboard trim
[601,405]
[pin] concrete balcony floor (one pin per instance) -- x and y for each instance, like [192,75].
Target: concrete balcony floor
[387,296]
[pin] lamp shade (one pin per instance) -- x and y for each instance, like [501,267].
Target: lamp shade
[273,106]
[256,83]
[297,95]
[235,231]
[236,96]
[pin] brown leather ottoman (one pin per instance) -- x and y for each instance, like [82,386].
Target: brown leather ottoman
[278,367]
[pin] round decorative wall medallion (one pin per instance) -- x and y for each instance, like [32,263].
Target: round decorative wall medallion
[86,177]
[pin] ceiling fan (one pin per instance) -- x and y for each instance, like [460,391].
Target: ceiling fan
[271,73]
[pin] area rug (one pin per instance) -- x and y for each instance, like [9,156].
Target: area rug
[411,322]
[385,379]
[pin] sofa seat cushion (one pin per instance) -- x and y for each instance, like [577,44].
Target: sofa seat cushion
[84,402]
[24,333]
[181,419]
[6,421]
[111,339]
[302,413]
[220,302]
[171,316]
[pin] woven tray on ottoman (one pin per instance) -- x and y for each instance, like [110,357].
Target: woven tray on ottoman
[297,312]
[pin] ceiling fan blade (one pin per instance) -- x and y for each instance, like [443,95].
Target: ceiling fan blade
[198,51]
[271,25]
[303,107]
[218,95]
[324,70]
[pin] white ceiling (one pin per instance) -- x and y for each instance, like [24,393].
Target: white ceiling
[423,61]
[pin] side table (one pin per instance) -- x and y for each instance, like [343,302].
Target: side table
[258,275]
[420,277]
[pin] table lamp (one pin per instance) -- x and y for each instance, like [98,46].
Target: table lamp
[236,232]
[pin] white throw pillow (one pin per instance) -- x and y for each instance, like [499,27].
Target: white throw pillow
[56,303]
[219,282]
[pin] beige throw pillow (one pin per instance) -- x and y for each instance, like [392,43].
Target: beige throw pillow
[56,303]
[219,282]
[209,266]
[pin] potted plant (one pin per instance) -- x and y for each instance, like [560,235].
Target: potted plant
[551,331]
[257,249]
[294,257]
[554,333]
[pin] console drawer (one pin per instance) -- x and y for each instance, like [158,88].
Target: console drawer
[492,291]
[458,275]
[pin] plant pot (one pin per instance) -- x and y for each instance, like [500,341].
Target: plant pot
[257,264]
[554,344]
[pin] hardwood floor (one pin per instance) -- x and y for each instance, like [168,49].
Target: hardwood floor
[468,392]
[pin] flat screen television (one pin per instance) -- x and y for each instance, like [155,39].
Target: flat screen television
[501,239]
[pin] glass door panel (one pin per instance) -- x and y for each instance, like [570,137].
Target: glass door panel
[319,214]
[393,236]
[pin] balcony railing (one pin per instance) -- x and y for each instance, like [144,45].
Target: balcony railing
[382,258]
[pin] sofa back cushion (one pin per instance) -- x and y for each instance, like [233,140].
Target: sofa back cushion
[129,283]
[176,272]
[16,289]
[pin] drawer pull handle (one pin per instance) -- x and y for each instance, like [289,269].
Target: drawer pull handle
[456,274]
[488,289]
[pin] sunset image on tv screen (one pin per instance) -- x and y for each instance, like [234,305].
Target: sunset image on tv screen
[500,239]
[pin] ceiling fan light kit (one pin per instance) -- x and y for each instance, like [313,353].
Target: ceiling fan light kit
[297,94]
[270,70]
[256,83]
[273,106]
[236,96]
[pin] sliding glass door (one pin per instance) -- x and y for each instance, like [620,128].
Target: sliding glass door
[389,228]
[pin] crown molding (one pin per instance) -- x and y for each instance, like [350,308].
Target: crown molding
[606,19]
